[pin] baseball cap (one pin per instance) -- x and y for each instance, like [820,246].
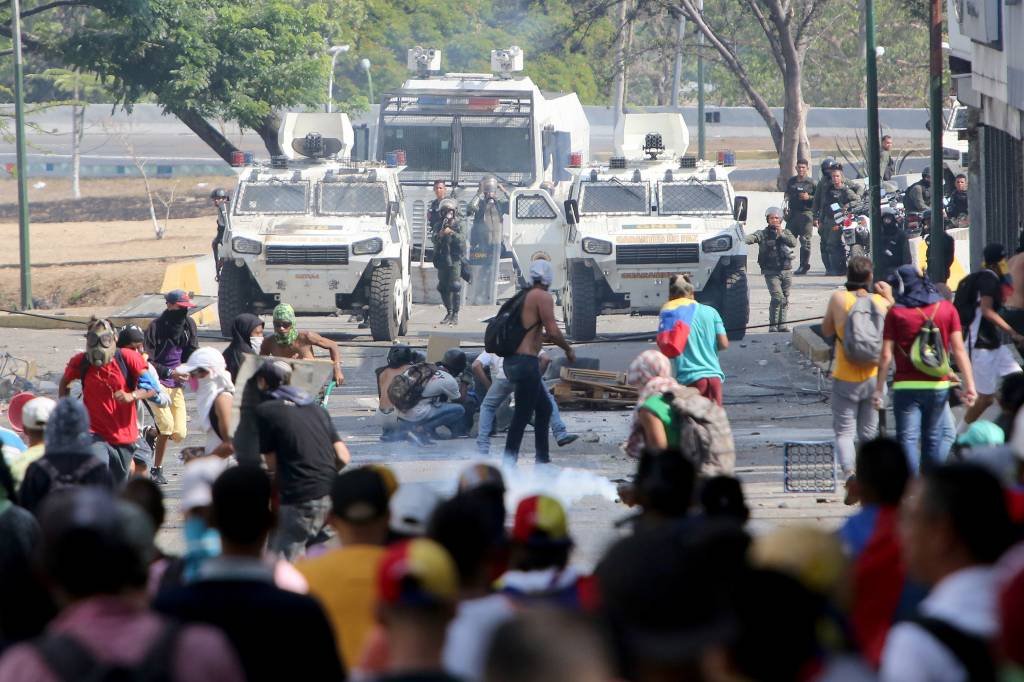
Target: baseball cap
[417,572]
[37,412]
[359,495]
[540,520]
[981,433]
[411,507]
[197,482]
[179,297]
[481,475]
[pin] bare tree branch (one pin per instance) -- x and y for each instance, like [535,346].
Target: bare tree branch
[51,5]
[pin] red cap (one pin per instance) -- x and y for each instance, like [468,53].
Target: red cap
[540,520]
[179,297]
[418,572]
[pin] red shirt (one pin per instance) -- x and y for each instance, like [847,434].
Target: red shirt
[901,327]
[112,421]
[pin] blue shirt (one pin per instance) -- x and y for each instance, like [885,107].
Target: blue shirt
[699,359]
[12,439]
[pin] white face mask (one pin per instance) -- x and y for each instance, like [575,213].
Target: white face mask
[256,342]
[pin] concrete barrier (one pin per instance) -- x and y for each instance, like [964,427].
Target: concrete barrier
[811,345]
[196,276]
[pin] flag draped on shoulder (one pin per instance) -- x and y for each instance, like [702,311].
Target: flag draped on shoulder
[674,326]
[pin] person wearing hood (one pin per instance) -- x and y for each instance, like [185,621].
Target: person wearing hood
[68,456]
[919,397]
[170,340]
[110,378]
[246,338]
[134,338]
[304,453]
[214,398]
[289,342]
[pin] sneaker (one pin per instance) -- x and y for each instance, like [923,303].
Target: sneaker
[567,439]
[454,319]
[802,270]
[419,439]
[157,475]
[446,319]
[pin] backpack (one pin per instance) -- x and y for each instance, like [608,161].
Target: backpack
[129,381]
[705,436]
[862,333]
[406,389]
[972,652]
[505,331]
[965,300]
[928,352]
[62,481]
[70,661]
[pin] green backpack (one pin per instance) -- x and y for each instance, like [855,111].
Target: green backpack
[928,352]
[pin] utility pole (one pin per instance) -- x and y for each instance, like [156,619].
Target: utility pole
[620,68]
[937,241]
[700,88]
[677,72]
[22,168]
[874,172]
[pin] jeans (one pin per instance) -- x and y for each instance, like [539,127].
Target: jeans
[497,394]
[948,433]
[524,373]
[919,425]
[298,525]
[853,414]
[445,414]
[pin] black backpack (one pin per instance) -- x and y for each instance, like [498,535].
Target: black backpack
[129,381]
[70,661]
[406,389]
[61,481]
[505,331]
[965,300]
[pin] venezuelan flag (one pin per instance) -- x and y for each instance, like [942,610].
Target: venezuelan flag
[674,326]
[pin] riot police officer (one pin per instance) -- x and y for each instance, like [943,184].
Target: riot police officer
[487,210]
[449,249]
[894,247]
[919,195]
[433,215]
[219,197]
[833,252]
[799,218]
[775,258]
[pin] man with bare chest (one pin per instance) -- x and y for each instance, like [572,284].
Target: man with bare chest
[289,342]
[523,368]
[1013,306]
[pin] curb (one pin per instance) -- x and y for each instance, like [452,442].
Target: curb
[810,344]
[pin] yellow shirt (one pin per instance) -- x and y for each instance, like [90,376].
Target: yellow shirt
[345,582]
[844,369]
[20,461]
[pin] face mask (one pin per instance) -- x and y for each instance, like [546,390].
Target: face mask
[256,342]
[100,344]
[177,314]
[288,336]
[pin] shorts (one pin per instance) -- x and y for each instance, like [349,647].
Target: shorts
[990,366]
[118,457]
[171,419]
[710,388]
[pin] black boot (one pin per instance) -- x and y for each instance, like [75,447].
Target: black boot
[805,262]
[453,319]
[446,299]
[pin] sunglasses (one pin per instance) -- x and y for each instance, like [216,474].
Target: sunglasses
[282,325]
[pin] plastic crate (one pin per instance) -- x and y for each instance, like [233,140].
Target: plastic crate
[809,467]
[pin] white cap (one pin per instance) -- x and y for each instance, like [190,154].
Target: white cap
[541,271]
[411,507]
[36,413]
[197,482]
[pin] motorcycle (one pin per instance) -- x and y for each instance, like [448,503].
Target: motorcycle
[855,229]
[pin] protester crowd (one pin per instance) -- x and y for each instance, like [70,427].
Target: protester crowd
[300,564]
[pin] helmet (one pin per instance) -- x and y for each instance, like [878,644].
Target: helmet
[400,354]
[219,193]
[489,184]
[927,172]
[454,360]
[448,204]
[773,211]
[826,164]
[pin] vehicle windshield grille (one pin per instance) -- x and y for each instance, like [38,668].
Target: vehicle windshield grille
[428,148]
[616,198]
[273,198]
[362,198]
[504,150]
[692,197]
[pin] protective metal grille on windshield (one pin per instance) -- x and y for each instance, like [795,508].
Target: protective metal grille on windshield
[649,254]
[307,255]
[363,198]
[273,198]
[686,197]
[616,198]
[533,207]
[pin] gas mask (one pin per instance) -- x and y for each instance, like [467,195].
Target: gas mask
[100,343]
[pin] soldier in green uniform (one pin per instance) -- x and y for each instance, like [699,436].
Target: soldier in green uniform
[799,217]
[449,250]
[833,252]
[775,258]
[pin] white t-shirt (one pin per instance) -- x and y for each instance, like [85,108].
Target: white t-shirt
[470,632]
[495,363]
[441,384]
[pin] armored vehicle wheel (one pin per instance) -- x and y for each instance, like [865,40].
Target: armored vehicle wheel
[735,306]
[234,296]
[580,307]
[384,304]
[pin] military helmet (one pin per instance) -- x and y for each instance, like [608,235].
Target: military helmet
[448,204]
[773,211]
[829,164]
[219,193]
[489,184]
[454,360]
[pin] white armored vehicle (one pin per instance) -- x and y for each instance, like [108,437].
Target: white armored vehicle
[319,232]
[462,127]
[629,226]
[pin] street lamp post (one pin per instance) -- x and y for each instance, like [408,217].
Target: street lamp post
[22,165]
[365,63]
[334,51]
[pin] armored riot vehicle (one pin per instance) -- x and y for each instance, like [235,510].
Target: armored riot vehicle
[630,225]
[317,231]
